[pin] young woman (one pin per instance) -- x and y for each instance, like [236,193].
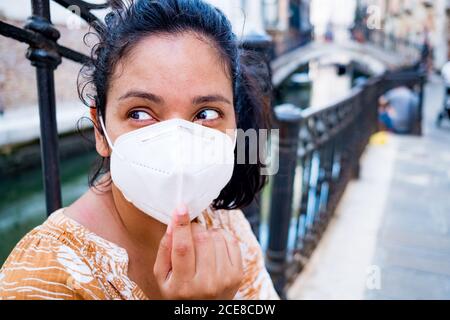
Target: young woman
[169,84]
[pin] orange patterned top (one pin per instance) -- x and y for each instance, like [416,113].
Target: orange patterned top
[61,259]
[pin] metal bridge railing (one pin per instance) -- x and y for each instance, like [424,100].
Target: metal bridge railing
[389,42]
[321,148]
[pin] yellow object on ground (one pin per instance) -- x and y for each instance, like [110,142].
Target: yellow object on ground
[379,138]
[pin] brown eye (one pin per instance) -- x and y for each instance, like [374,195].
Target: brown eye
[139,115]
[207,114]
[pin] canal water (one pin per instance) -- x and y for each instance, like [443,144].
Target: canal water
[22,204]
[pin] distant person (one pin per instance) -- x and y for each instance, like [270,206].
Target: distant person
[426,53]
[445,113]
[445,72]
[384,118]
[2,89]
[2,106]
[329,35]
[398,110]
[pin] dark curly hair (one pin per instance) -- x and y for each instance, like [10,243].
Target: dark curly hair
[128,23]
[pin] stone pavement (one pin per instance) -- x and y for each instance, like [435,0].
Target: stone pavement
[390,237]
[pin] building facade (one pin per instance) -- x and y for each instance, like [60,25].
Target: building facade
[419,21]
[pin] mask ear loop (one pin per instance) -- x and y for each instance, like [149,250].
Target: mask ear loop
[106,134]
[108,139]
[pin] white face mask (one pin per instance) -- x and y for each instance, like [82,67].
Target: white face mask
[170,163]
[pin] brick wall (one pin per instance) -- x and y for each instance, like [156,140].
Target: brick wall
[17,76]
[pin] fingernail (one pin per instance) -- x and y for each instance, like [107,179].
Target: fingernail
[169,228]
[181,210]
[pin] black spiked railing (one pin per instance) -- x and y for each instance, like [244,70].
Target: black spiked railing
[323,147]
[45,55]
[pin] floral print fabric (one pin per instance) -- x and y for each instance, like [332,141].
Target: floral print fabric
[61,259]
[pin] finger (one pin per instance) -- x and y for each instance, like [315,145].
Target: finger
[205,261]
[234,250]
[236,270]
[163,264]
[183,253]
[223,262]
[235,255]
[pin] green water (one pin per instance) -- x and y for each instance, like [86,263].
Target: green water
[22,201]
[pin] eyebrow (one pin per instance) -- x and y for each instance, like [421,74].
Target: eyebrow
[159,100]
[210,98]
[144,95]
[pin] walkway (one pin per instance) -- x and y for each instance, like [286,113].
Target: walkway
[390,237]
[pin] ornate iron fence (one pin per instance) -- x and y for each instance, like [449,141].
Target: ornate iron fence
[321,150]
[45,55]
[389,42]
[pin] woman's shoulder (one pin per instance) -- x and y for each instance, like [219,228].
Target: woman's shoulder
[256,284]
[47,264]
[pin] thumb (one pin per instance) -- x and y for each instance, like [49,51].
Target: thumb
[163,262]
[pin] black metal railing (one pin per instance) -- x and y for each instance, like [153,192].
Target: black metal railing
[321,148]
[389,42]
[45,55]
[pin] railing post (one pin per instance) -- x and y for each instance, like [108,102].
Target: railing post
[46,59]
[262,46]
[288,118]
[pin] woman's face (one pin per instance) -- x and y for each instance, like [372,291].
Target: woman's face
[165,77]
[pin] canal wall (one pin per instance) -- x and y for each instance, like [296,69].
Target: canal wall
[19,111]
[20,132]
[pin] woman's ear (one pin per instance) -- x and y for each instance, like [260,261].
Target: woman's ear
[101,145]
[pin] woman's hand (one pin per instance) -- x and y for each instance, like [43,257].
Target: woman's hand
[195,263]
